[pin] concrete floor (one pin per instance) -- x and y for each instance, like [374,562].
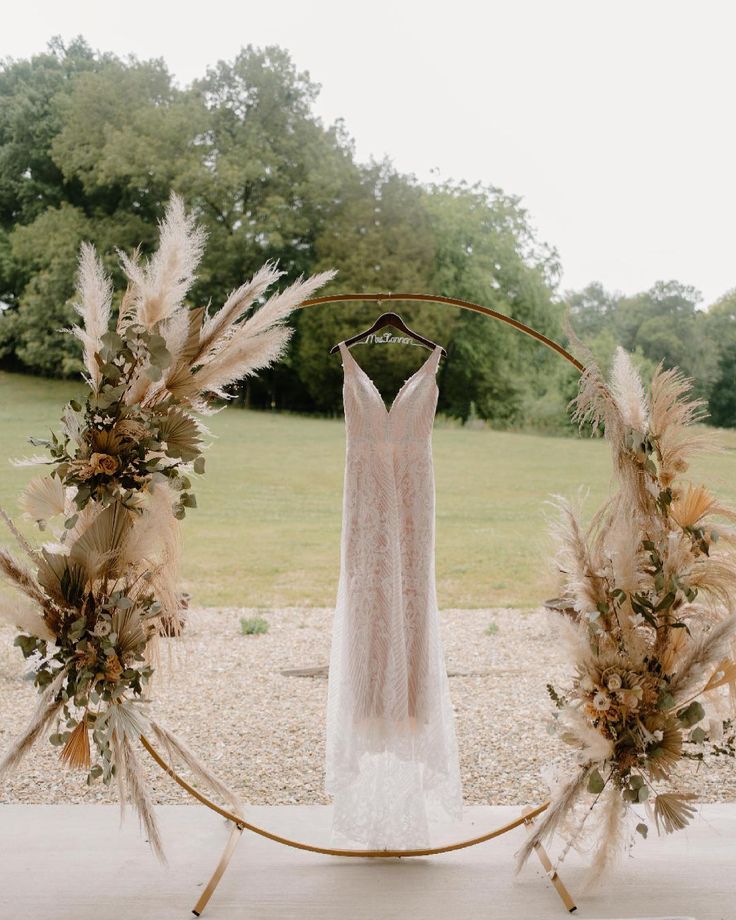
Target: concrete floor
[72,862]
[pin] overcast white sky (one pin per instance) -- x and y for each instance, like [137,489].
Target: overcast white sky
[613,121]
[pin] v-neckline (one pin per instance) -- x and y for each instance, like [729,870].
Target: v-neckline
[389,409]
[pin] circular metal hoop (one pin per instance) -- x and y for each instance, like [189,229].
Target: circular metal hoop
[242,824]
[239,822]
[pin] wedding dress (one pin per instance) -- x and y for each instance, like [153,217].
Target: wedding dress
[392,761]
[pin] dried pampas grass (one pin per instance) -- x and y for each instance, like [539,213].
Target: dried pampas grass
[46,711]
[158,288]
[104,591]
[649,601]
[94,300]
[176,749]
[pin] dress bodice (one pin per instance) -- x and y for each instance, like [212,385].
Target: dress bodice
[411,414]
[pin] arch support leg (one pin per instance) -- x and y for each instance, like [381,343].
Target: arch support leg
[552,875]
[235,834]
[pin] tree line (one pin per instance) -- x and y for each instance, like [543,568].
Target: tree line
[91,146]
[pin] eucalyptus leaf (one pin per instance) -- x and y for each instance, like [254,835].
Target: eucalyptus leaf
[596,783]
[692,714]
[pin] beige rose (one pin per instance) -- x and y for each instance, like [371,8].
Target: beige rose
[113,668]
[103,463]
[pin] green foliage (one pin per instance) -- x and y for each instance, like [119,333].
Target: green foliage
[253,626]
[91,146]
[665,324]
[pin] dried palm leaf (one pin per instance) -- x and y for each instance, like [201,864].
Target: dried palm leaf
[64,580]
[99,548]
[724,674]
[75,753]
[673,811]
[665,757]
[43,498]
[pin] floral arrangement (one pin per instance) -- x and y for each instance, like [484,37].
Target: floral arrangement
[93,602]
[647,607]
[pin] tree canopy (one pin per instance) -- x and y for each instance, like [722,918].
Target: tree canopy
[91,146]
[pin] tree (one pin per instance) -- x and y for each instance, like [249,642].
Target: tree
[380,239]
[271,173]
[487,253]
[592,310]
[46,252]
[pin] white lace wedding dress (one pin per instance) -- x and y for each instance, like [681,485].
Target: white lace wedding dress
[392,761]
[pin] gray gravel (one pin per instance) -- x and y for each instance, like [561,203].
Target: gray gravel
[263,732]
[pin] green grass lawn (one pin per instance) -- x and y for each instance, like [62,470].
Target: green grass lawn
[267,529]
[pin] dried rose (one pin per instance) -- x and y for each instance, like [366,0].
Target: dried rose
[614,682]
[103,463]
[631,698]
[102,628]
[113,668]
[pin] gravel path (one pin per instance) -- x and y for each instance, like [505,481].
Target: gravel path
[263,732]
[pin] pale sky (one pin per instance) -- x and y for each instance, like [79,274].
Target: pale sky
[614,122]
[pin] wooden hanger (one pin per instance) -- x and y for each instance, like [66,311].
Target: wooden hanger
[390,319]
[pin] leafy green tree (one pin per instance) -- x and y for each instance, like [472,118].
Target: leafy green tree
[487,253]
[46,252]
[271,173]
[380,239]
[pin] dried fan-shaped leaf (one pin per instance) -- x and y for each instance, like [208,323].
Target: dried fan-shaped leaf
[181,434]
[673,811]
[99,547]
[43,498]
[64,579]
[75,753]
[724,674]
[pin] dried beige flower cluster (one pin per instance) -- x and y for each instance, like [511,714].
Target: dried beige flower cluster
[95,600]
[648,601]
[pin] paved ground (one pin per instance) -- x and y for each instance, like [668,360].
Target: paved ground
[70,862]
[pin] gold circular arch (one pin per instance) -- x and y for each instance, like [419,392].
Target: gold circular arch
[452,302]
[238,822]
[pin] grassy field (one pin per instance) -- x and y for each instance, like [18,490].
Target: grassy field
[267,530]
